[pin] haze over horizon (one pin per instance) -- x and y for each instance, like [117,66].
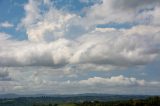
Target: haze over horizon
[80,46]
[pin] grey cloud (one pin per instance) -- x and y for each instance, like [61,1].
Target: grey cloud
[24,53]
[123,11]
[55,50]
[36,83]
[101,48]
[134,4]
[48,80]
[4,75]
[116,48]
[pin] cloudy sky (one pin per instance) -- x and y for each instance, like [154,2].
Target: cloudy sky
[80,46]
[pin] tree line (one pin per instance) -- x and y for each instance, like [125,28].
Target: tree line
[151,101]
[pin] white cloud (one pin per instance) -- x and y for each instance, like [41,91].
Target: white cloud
[54,23]
[97,50]
[65,45]
[89,1]
[46,26]
[38,81]
[93,49]
[111,11]
[4,36]
[6,24]
[114,81]
[25,53]
[118,47]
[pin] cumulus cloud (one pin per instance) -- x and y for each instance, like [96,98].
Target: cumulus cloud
[4,75]
[124,11]
[117,48]
[4,36]
[90,50]
[38,81]
[94,49]
[35,54]
[63,45]
[6,24]
[45,26]
[135,4]
[115,80]
[89,1]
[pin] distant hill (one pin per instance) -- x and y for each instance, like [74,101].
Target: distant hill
[86,96]
[9,96]
[29,100]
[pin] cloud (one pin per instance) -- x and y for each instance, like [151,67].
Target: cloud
[94,49]
[124,11]
[56,23]
[97,50]
[46,26]
[113,81]
[89,1]
[117,84]
[38,81]
[4,75]
[61,46]
[117,48]
[25,53]
[135,4]
[4,36]
[6,24]
[9,87]
[101,49]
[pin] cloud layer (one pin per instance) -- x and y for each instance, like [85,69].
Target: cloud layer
[69,44]
[50,80]
[103,48]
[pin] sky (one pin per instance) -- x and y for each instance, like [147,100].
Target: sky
[80,46]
